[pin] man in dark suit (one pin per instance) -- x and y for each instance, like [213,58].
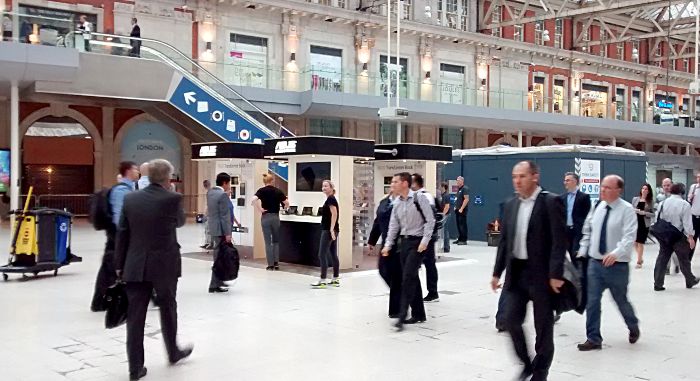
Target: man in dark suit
[148,258]
[532,248]
[220,219]
[577,205]
[389,266]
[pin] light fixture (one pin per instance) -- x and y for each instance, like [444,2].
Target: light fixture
[364,67]
[250,6]
[293,57]
[363,52]
[328,19]
[426,61]
[208,47]
[545,36]
[635,54]
[207,29]
[483,82]
[482,71]
[427,75]
[428,12]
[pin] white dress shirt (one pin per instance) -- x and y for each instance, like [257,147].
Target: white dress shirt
[523,223]
[694,199]
[621,230]
[431,199]
[677,211]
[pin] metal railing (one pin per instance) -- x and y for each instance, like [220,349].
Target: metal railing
[77,204]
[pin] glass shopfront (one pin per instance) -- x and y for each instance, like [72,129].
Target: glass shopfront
[451,83]
[246,61]
[558,98]
[594,101]
[326,68]
[635,111]
[620,104]
[538,94]
[49,27]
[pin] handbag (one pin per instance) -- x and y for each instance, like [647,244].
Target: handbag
[664,231]
[116,304]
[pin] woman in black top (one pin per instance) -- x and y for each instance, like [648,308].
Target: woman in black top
[644,207]
[328,247]
[268,202]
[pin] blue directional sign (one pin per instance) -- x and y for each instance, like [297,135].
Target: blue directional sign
[280,169]
[213,114]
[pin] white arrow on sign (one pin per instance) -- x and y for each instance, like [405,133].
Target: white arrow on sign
[189,97]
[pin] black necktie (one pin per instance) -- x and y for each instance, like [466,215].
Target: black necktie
[603,244]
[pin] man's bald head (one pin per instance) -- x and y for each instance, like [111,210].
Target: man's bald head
[144,169]
[666,185]
[611,188]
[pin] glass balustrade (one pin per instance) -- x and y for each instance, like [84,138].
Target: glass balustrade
[239,81]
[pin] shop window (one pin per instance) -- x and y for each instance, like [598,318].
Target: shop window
[326,127]
[453,137]
[451,83]
[403,76]
[453,13]
[326,68]
[594,101]
[246,61]
[387,132]
[558,100]
[538,94]
[635,110]
[518,33]
[330,3]
[620,104]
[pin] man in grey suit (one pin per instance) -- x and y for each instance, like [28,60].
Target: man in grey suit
[147,258]
[220,214]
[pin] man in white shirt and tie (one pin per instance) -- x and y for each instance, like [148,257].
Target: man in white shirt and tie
[608,239]
[694,200]
[676,211]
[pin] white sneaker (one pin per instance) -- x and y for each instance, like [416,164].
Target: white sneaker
[320,284]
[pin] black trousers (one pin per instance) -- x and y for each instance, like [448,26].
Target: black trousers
[390,271]
[106,275]
[139,294]
[521,291]
[411,291]
[682,249]
[462,229]
[696,227]
[580,263]
[431,272]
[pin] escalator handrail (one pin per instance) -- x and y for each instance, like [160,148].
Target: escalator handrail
[199,67]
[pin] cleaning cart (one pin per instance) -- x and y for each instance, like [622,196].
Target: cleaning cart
[41,242]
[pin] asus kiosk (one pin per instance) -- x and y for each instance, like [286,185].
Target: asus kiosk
[310,160]
[245,163]
[423,159]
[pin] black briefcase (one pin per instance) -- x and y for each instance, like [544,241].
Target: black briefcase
[227,262]
[664,231]
[117,304]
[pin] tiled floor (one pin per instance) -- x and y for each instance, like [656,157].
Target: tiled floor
[272,326]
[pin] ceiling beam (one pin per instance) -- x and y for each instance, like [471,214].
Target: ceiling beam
[616,7]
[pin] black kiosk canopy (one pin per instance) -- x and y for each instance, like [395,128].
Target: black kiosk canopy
[318,145]
[411,151]
[226,150]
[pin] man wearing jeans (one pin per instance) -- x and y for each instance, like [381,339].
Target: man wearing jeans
[608,237]
[268,202]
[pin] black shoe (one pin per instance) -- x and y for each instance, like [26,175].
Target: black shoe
[399,326]
[634,335]
[693,283]
[181,355]
[461,243]
[659,288]
[445,250]
[98,309]
[525,374]
[414,321]
[678,269]
[588,346]
[218,290]
[270,268]
[277,266]
[500,327]
[668,271]
[394,316]
[430,298]
[204,246]
[456,242]
[139,375]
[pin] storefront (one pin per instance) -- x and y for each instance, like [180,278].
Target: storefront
[636,111]
[326,68]
[537,94]
[594,101]
[664,109]
[246,61]
[50,26]
[558,98]
[451,83]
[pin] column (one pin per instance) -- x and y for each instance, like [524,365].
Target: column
[108,168]
[15,177]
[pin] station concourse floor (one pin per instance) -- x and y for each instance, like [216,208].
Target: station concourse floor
[273,326]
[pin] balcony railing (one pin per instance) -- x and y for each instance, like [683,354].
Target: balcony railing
[242,75]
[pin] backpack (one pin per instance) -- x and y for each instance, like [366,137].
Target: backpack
[100,213]
[439,217]
[227,262]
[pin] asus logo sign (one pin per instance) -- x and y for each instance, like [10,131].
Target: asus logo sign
[207,151]
[288,146]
